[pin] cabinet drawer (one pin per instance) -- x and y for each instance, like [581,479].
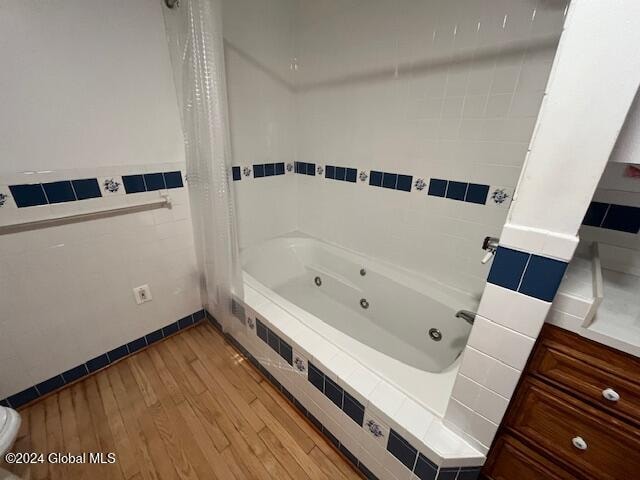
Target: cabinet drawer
[510,459]
[554,420]
[590,371]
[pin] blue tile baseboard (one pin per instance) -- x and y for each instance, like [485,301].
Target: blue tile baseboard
[101,361]
[50,193]
[421,466]
[621,218]
[527,273]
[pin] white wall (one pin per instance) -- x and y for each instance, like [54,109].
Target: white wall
[438,89]
[86,91]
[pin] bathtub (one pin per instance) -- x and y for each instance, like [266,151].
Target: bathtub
[398,323]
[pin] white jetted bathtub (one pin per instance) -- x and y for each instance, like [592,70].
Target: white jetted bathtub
[398,323]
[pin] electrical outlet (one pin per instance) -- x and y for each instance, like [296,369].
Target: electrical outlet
[142,294]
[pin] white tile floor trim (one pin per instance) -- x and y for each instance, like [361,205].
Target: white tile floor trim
[383,403]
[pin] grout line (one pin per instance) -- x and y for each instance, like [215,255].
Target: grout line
[605,215]
[523,272]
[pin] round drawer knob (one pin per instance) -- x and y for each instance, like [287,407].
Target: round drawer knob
[579,443]
[610,394]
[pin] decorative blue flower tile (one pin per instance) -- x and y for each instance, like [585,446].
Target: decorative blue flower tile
[111,185]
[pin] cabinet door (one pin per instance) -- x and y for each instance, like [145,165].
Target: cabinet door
[510,459]
[574,433]
[595,373]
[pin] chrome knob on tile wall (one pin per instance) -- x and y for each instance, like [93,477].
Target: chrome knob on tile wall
[610,394]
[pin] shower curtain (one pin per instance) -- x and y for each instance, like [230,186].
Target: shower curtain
[194,31]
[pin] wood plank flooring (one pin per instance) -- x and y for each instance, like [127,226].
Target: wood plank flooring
[189,407]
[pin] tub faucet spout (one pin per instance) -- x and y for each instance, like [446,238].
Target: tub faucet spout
[466,315]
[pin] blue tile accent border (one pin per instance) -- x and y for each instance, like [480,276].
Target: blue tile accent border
[91,366]
[261,170]
[394,181]
[49,193]
[304,168]
[344,174]
[621,218]
[420,465]
[529,274]
[462,191]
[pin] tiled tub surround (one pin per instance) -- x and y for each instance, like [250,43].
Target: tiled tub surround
[91,366]
[383,432]
[383,318]
[320,365]
[68,288]
[516,299]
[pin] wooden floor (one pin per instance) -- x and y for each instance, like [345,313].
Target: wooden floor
[189,407]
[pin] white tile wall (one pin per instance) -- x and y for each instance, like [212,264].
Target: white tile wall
[513,310]
[502,343]
[430,89]
[489,372]
[66,291]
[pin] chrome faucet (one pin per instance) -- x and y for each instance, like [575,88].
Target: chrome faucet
[467,315]
[490,244]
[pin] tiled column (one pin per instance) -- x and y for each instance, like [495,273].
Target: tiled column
[591,87]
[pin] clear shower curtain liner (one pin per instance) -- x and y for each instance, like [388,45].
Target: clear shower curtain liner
[205,123]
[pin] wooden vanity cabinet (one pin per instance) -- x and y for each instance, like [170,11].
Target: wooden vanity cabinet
[574,415]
